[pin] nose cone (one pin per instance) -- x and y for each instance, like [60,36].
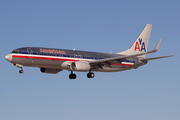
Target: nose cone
[8,57]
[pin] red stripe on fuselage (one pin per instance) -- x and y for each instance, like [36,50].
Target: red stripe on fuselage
[44,58]
[59,59]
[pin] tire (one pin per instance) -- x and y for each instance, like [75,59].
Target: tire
[21,71]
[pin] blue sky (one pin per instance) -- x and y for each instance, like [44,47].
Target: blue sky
[150,92]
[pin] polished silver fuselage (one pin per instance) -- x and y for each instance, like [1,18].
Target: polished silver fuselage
[60,59]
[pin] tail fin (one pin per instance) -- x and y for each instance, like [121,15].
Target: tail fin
[141,43]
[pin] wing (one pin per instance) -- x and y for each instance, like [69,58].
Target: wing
[120,59]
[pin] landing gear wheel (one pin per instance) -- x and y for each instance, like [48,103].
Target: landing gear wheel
[72,76]
[21,71]
[90,75]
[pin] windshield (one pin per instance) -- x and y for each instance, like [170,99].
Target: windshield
[16,51]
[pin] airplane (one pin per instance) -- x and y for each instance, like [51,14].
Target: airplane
[52,61]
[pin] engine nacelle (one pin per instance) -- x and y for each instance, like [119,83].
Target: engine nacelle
[66,65]
[80,66]
[49,70]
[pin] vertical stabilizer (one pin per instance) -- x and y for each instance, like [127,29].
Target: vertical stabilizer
[141,43]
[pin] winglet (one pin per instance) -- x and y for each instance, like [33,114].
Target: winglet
[157,46]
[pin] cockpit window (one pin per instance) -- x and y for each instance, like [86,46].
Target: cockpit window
[16,51]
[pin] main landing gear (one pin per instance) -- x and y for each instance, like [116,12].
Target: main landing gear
[72,76]
[89,75]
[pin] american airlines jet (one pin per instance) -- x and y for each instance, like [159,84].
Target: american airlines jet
[51,60]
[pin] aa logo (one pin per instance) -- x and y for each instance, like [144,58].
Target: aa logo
[138,44]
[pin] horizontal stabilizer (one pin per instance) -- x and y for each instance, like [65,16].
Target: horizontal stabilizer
[146,59]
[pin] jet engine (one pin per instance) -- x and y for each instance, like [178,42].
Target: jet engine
[80,66]
[49,70]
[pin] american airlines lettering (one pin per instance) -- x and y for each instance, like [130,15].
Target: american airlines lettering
[52,51]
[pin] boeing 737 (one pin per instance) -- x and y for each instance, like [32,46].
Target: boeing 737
[51,60]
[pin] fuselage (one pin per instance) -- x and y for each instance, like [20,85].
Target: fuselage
[62,58]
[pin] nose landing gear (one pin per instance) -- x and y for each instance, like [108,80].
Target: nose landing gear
[21,71]
[19,66]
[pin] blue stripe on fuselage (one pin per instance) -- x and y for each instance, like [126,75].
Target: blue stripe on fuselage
[72,56]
